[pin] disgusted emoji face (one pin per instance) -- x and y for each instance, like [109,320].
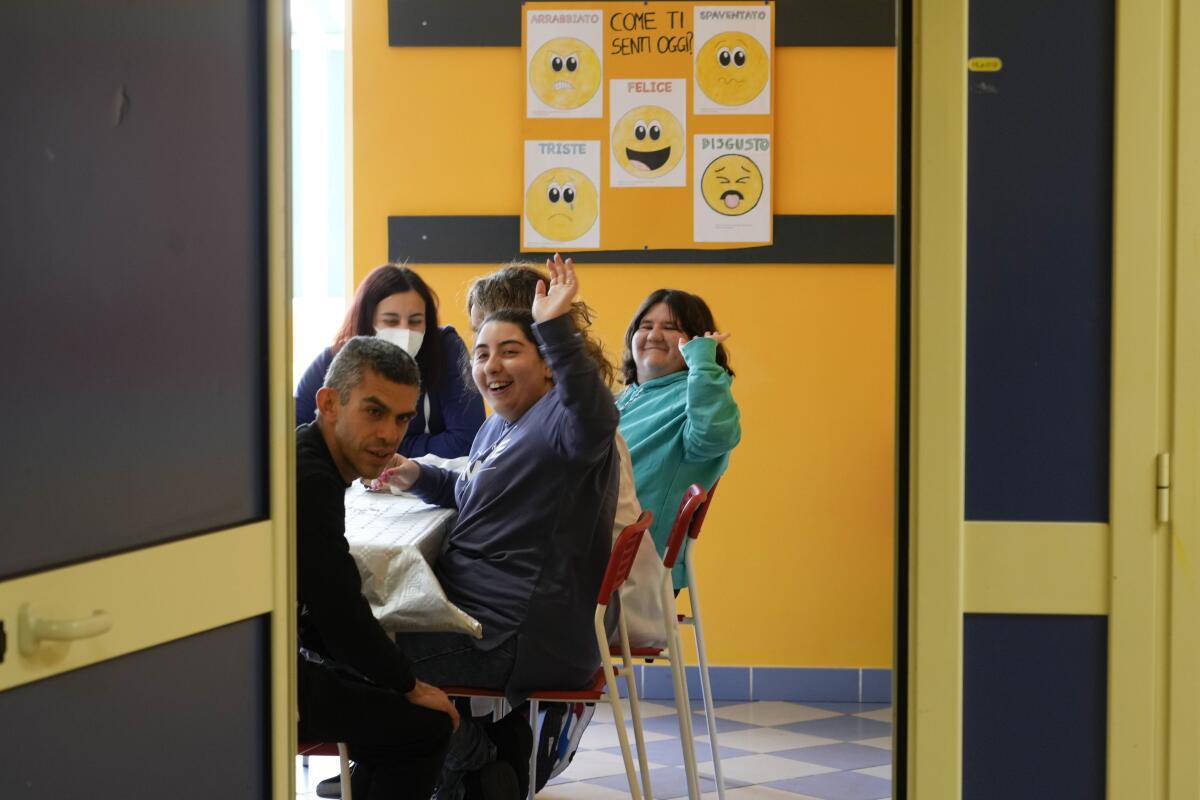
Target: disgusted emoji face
[564,73]
[648,141]
[561,204]
[732,68]
[732,185]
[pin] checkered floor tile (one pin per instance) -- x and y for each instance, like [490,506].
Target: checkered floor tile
[770,750]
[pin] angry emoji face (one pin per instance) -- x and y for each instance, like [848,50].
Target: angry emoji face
[732,68]
[732,185]
[561,204]
[648,141]
[564,73]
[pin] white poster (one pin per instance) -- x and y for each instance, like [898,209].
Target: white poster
[731,201]
[649,130]
[562,198]
[564,75]
[733,60]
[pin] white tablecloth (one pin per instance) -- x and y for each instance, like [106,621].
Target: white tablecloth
[394,540]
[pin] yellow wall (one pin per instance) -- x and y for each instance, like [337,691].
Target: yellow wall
[796,557]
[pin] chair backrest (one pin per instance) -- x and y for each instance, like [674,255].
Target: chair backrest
[698,520]
[693,498]
[620,561]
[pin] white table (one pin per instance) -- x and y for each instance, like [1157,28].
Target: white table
[394,540]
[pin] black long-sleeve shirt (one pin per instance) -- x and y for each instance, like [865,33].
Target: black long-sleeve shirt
[335,619]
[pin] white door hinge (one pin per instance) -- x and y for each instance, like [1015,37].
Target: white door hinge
[1163,486]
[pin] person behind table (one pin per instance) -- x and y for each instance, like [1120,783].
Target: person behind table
[393,303]
[677,411]
[355,686]
[535,510]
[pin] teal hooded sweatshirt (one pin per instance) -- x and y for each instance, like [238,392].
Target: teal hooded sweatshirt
[680,429]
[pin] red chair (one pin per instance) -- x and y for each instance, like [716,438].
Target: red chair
[688,521]
[306,749]
[604,685]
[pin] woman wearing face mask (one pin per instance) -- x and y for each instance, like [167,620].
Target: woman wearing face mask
[393,303]
[677,411]
[535,511]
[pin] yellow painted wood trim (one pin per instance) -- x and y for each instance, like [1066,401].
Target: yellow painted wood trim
[1138,634]
[153,595]
[937,424]
[1184,701]
[1036,568]
[281,448]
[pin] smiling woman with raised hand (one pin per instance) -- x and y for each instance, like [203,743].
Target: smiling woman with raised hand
[535,511]
[677,410]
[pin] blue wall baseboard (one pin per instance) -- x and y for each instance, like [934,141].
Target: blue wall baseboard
[801,684]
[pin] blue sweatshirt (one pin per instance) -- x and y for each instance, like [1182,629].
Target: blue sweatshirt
[680,429]
[535,514]
[455,410]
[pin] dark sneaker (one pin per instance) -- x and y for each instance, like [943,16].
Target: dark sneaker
[514,745]
[332,787]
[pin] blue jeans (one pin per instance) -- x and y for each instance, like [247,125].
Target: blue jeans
[452,659]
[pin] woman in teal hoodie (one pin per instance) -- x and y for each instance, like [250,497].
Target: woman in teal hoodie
[677,411]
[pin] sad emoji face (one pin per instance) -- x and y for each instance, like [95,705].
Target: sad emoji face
[732,185]
[561,204]
[732,68]
[564,73]
[648,141]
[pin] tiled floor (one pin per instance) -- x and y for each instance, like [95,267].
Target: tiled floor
[770,750]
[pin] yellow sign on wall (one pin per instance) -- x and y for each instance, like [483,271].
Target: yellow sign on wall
[647,126]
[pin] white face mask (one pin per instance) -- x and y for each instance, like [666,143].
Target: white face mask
[406,339]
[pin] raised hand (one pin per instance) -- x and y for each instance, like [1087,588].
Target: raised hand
[716,336]
[555,300]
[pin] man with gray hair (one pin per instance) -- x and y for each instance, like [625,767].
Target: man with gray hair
[355,686]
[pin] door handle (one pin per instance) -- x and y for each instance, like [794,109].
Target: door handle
[31,630]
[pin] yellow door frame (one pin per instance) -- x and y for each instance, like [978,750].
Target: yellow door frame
[938,257]
[1183,775]
[282,415]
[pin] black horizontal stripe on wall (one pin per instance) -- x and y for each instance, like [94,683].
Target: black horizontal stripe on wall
[497,23]
[799,239]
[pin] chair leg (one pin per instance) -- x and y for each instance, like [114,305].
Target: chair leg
[705,685]
[614,700]
[683,709]
[344,758]
[635,709]
[533,722]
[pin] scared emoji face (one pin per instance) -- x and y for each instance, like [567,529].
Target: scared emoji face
[564,73]
[732,68]
[731,185]
[561,204]
[648,141]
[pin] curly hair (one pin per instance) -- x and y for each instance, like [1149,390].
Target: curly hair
[513,287]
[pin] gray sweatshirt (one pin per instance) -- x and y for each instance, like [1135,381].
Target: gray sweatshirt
[534,529]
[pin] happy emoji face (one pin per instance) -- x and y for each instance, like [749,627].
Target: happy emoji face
[564,73]
[732,68]
[731,185]
[561,204]
[648,141]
